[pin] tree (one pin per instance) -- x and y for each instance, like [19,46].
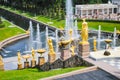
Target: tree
[95,1]
[49,8]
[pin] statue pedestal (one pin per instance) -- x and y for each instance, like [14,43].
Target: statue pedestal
[26,64]
[51,57]
[84,49]
[41,61]
[33,63]
[65,54]
[19,66]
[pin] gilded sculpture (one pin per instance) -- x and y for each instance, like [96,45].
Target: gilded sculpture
[19,57]
[51,55]
[33,54]
[1,59]
[84,33]
[94,44]
[72,49]
[51,50]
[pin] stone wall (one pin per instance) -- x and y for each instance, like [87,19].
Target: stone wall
[21,21]
[74,61]
[12,39]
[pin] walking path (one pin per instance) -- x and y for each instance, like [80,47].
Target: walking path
[98,55]
[106,67]
[90,72]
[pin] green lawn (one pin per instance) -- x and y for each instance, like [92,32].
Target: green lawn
[33,74]
[105,26]
[9,30]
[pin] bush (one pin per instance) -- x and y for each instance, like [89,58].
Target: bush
[1,24]
[93,20]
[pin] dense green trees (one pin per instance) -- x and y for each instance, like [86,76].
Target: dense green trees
[48,8]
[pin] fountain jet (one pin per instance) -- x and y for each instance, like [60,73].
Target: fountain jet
[30,45]
[38,37]
[69,25]
[114,38]
[99,37]
[46,34]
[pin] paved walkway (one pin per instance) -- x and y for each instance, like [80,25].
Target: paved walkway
[70,73]
[91,75]
[98,55]
[106,67]
[102,75]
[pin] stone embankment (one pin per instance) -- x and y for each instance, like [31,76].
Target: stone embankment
[12,39]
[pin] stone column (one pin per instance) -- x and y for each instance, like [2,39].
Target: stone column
[108,11]
[117,11]
[112,10]
[97,14]
[81,13]
[103,13]
[92,13]
[87,13]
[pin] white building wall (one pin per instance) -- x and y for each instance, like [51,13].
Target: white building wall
[117,2]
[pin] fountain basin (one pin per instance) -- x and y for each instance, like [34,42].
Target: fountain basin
[41,51]
[27,56]
[108,41]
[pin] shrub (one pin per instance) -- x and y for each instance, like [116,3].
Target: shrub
[1,24]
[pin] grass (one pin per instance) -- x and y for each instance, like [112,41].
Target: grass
[9,30]
[33,74]
[105,26]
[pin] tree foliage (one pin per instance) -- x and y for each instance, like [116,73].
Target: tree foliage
[48,8]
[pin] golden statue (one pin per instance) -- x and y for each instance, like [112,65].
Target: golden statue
[72,49]
[1,63]
[33,54]
[1,60]
[19,57]
[84,33]
[51,55]
[50,46]
[94,44]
